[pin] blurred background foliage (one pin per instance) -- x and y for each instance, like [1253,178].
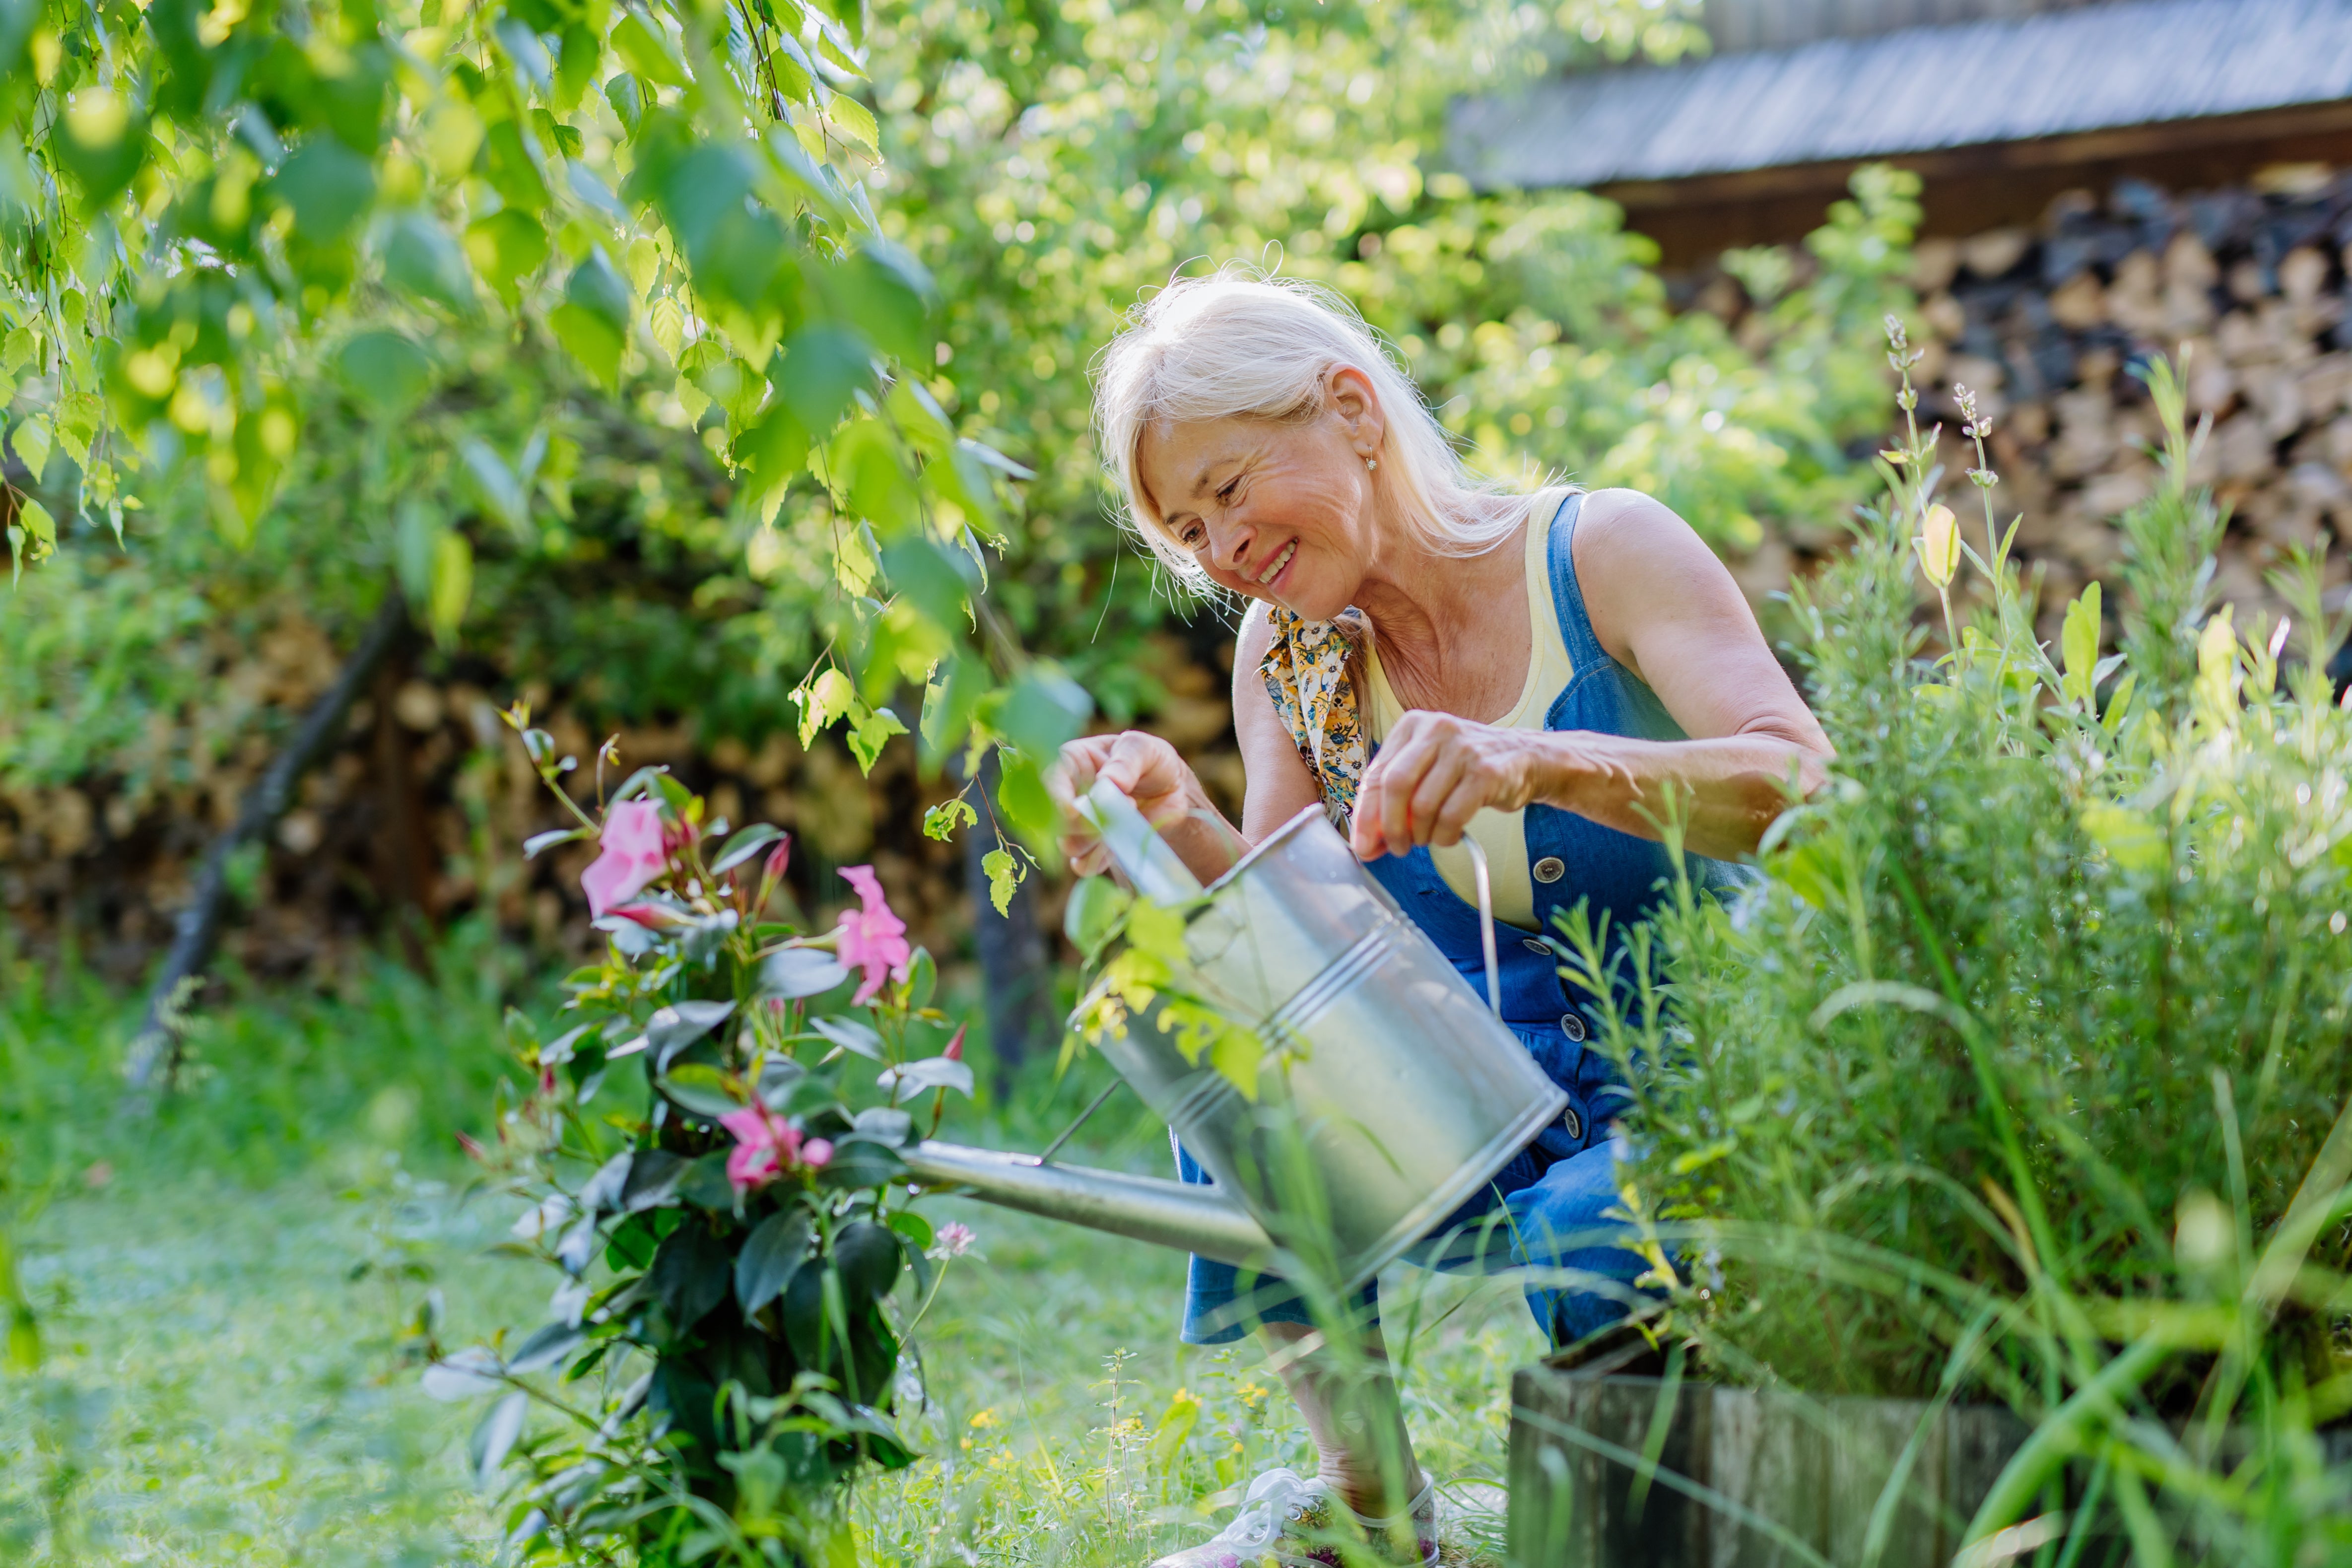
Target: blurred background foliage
[1048,164]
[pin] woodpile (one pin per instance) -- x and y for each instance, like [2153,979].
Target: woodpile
[2244,285]
[418,817]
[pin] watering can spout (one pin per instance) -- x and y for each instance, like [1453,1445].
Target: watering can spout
[1146,1208]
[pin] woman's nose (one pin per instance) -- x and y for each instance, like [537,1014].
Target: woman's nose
[1230,544]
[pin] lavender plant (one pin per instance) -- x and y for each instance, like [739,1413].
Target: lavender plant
[2022,1076]
[724,1352]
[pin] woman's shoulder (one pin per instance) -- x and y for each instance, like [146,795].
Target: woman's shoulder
[1254,635]
[1618,530]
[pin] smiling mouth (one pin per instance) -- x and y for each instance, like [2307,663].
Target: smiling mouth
[1274,568]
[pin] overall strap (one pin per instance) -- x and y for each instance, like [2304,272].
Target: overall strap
[1584,650]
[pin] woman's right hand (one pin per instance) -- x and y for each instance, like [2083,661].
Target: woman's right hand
[1144,768]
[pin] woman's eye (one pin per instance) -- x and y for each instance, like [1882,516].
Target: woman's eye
[1193,537]
[1225,495]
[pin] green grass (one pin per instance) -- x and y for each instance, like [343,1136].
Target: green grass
[226,1297]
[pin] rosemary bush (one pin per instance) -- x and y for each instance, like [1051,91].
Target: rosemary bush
[2020,1075]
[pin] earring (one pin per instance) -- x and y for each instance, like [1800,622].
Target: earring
[1371,465]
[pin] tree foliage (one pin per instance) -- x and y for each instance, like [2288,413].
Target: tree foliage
[611,345]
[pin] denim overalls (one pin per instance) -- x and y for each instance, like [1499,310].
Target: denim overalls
[1556,1193]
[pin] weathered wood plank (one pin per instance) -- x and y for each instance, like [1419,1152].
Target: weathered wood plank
[1743,1478]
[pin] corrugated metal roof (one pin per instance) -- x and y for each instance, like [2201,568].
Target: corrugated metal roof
[2136,62]
[1736,24]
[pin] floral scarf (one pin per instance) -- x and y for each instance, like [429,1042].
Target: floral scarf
[1306,674]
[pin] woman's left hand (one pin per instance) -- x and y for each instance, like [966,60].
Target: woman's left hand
[1435,772]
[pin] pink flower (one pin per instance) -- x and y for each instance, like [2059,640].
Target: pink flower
[954,1052]
[872,939]
[633,855]
[766,1146]
[817,1153]
[953,1239]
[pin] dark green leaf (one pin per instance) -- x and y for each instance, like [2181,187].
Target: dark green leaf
[387,375]
[746,843]
[819,370]
[550,1344]
[654,1178]
[801,972]
[690,1273]
[672,1029]
[775,449]
[505,247]
[913,1226]
[548,840]
[495,1435]
[801,1307]
[597,287]
[602,1193]
[328,186]
[510,164]
[778,1077]
[1045,710]
[885,292]
[922,978]
[705,1183]
[931,1072]
[765,1264]
[627,98]
[701,1089]
[578,1248]
[937,581]
[850,1036]
[886,1123]
[420,257]
[869,1260]
[589,339]
[860,1161]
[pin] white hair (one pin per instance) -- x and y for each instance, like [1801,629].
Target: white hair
[1239,344]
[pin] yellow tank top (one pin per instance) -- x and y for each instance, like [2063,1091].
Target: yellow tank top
[1502,835]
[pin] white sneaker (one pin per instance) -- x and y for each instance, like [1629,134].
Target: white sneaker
[1290,1522]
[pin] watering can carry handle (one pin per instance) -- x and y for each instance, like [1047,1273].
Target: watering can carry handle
[1138,851]
[1136,846]
[1486,922]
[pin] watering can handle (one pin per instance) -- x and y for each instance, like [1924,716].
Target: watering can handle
[1486,922]
[1137,849]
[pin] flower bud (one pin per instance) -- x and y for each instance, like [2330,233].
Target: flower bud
[817,1153]
[778,859]
[954,1052]
[1938,545]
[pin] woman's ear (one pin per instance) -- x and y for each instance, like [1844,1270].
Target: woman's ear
[1349,395]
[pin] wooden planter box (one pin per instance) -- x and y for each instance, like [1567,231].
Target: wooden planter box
[1739,1476]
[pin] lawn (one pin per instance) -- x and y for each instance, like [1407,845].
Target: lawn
[227,1298]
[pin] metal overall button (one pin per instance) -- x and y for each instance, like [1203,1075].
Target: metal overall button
[1571,1123]
[1572,1026]
[1550,868]
[1534,944]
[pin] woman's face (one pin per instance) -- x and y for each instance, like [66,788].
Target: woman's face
[1274,510]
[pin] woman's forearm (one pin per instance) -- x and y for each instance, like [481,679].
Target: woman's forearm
[1724,791]
[1202,837]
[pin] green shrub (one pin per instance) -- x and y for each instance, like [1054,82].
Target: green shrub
[2021,1073]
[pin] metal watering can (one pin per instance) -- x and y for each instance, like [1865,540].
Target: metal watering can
[1387,1095]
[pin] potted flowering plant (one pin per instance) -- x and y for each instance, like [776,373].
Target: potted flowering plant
[730,1227]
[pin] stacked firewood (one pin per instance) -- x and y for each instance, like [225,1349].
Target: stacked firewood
[2244,286]
[418,816]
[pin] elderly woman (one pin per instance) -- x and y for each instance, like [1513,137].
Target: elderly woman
[1429,658]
